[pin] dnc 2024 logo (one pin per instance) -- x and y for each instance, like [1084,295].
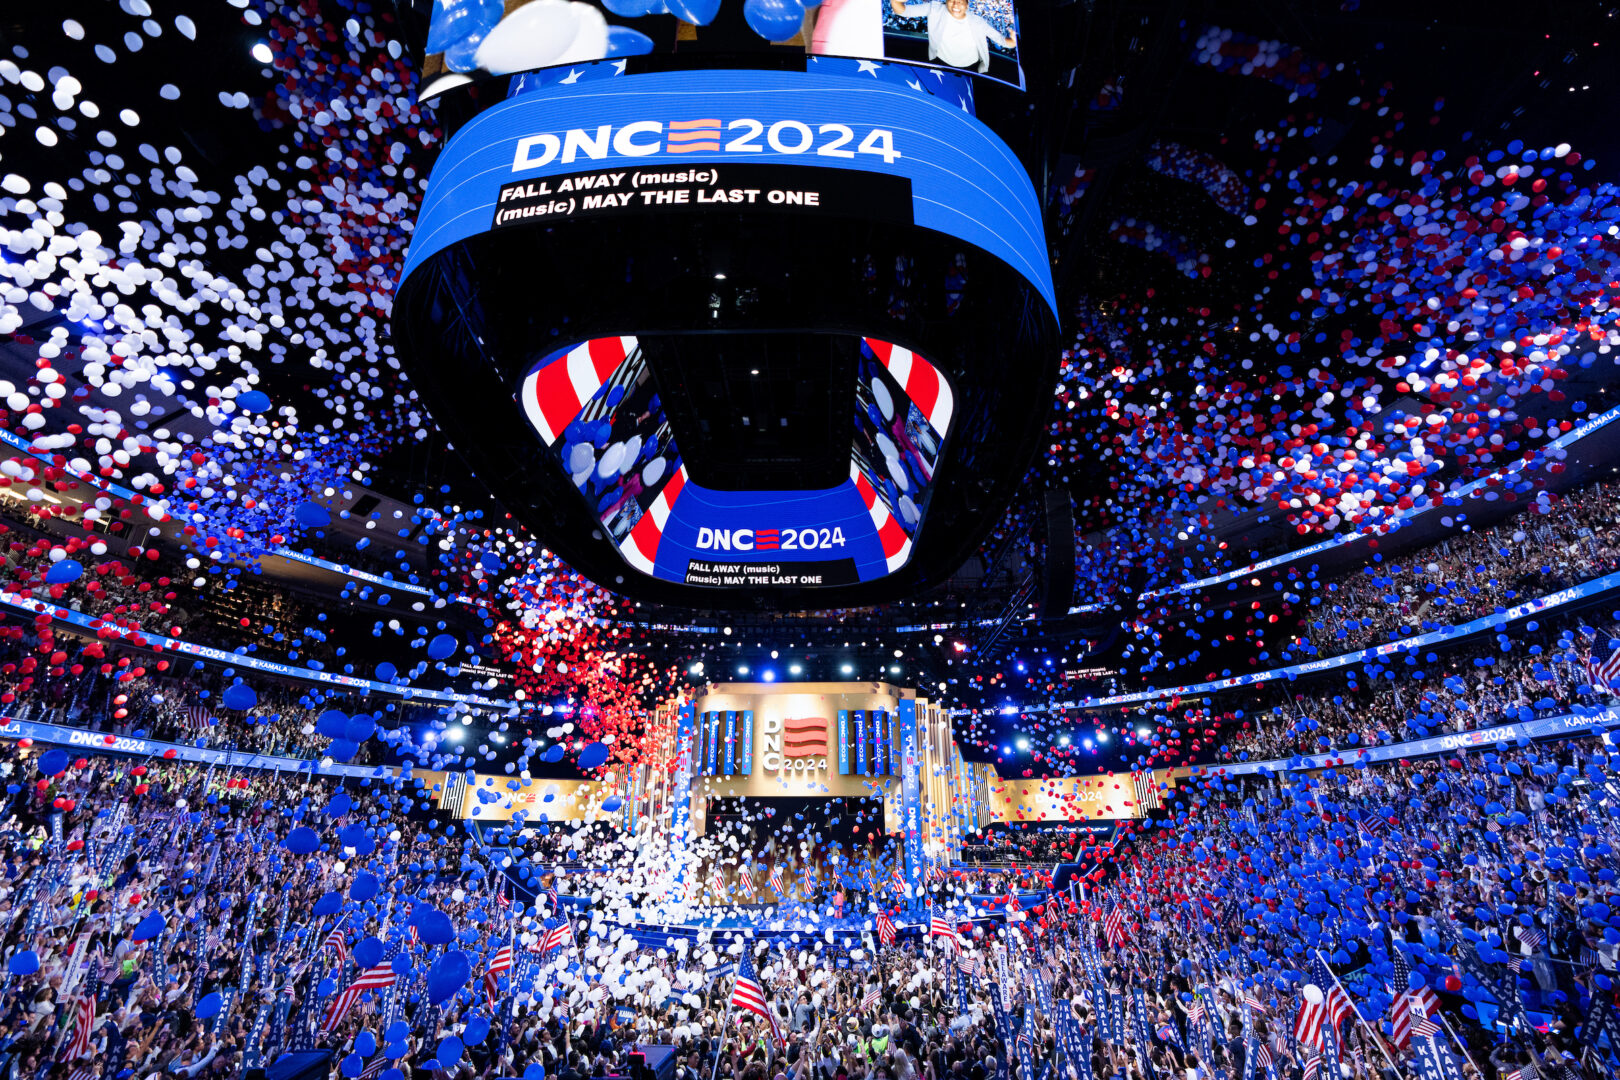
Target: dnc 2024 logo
[644,138]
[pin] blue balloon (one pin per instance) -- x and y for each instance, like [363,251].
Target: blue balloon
[328,903]
[254,401]
[208,1007]
[623,41]
[342,749]
[312,515]
[364,888]
[330,724]
[302,841]
[449,1051]
[635,9]
[477,1031]
[456,20]
[448,974]
[696,12]
[53,762]
[352,1066]
[239,696]
[433,926]
[553,755]
[535,1071]
[402,966]
[367,953]
[359,728]
[593,756]
[774,20]
[23,963]
[365,1044]
[386,672]
[441,647]
[64,571]
[612,803]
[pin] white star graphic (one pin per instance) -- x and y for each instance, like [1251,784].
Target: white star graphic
[571,78]
[866,67]
[914,84]
[620,65]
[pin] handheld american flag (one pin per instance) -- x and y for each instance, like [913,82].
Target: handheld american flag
[748,994]
[375,978]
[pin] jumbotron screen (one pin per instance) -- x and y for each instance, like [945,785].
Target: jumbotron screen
[732,337]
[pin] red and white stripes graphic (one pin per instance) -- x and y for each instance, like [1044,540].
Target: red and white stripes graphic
[640,548]
[922,382]
[896,544]
[553,394]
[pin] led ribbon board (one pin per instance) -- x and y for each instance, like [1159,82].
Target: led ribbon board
[703,141]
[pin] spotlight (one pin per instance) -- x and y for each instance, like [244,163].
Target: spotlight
[1102,736]
[894,669]
[1023,744]
[795,669]
[742,669]
[847,669]
[1063,740]
[769,676]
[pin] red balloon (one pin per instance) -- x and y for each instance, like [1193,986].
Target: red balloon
[1453,984]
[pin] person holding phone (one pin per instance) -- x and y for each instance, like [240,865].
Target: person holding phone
[956,36]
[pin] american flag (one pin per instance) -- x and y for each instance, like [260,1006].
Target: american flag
[873,994]
[1532,937]
[551,894]
[938,926]
[1312,1065]
[1114,926]
[1012,902]
[340,944]
[898,877]
[559,932]
[885,928]
[1425,1029]
[378,978]
[747,993]
[1262,1054]
[501,898]
[935,874]
[717,883]
[776,881]
[84,1018]
[492,974]
[1333,1008]
[1523,1072]
[1406,1002]
[196,718]
[1604,675]
[1255,1003]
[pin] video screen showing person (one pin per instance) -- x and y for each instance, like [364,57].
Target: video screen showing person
[470,40]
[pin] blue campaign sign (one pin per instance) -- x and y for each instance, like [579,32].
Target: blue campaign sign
[910,793]
[631,133]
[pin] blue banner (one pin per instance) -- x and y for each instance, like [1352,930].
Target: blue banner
[843,742]
[746,754]
[711,743]
[964,181]
[859,720]
[880,742]
[910,796]
[731,742]
[681,800]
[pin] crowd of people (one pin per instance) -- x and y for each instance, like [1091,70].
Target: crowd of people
[1233,895]
[1470,574]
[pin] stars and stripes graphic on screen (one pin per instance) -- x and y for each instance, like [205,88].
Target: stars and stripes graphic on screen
[940,927]
[872,996]
[1114,926]
[885,928]
[922,382]
[896,544]
[557,388]
[1333,1007]
[1407,1002]
[1605,675]
[559,932]
[502,961]
[376,978]
[748,994]
[640,548]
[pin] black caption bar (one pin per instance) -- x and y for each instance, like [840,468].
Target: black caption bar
[794,189]
[778,574]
